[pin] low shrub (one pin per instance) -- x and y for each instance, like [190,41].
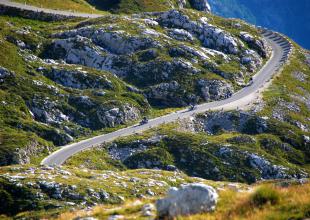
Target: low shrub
[265,195]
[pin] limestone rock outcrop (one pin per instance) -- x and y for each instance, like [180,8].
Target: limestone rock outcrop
[189,199]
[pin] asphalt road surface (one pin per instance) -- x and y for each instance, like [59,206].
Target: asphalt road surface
[48,11]
[281,51]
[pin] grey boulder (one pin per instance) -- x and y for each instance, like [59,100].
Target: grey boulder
[189,199]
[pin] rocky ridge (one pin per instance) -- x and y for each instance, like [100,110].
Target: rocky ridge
[181,151]
[134,54]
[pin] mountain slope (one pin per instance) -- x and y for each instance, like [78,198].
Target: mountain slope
[119,6]
[95,77]
[66,80]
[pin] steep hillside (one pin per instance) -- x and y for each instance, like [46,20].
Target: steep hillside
[270,141]
[71,5]
[71,80]
[119,6]
[37,96]
[67,80]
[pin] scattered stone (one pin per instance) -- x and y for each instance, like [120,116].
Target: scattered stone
[85,218]
[150,192]
[148,210]
[4,73]
[300,76]
[116,217]
[171,168]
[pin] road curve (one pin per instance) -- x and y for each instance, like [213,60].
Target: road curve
[47,11]
[281,50]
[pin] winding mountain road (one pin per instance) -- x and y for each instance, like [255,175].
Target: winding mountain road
[281,50]
[47,11]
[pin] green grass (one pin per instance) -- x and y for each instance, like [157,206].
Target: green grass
[196,153]
[282,203]
[95,159]
[19,89]
[70,5]
[285,85]
[265,195]
[129,6]
[116,183]
[101,6]
[292,202]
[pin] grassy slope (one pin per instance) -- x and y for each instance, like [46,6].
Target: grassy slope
[16,91]
[285,87]
[195,153]
[15,109]
[264,201]
[293,200]
[98,6]
[84,179]
[71,5]
[289,90]
[15,115]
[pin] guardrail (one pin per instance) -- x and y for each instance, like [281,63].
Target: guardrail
[283,41]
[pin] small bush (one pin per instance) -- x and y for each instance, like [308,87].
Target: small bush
[264,195]
[6,202]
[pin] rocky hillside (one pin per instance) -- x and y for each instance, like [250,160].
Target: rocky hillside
[250,153]
[171,57]
[31,192]
[64,80]
[129,6]
[119,6]
[269,141]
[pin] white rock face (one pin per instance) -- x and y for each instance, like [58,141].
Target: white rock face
[201,5]
[167,92]
[215,89]
[152,53]
[116,116]
[211,37]
[47,111]
[180,34]
[181,3]
[4,73]
[78,79]
[189,199]
[232,121]
[121,43]
[269,170]
[259,45]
